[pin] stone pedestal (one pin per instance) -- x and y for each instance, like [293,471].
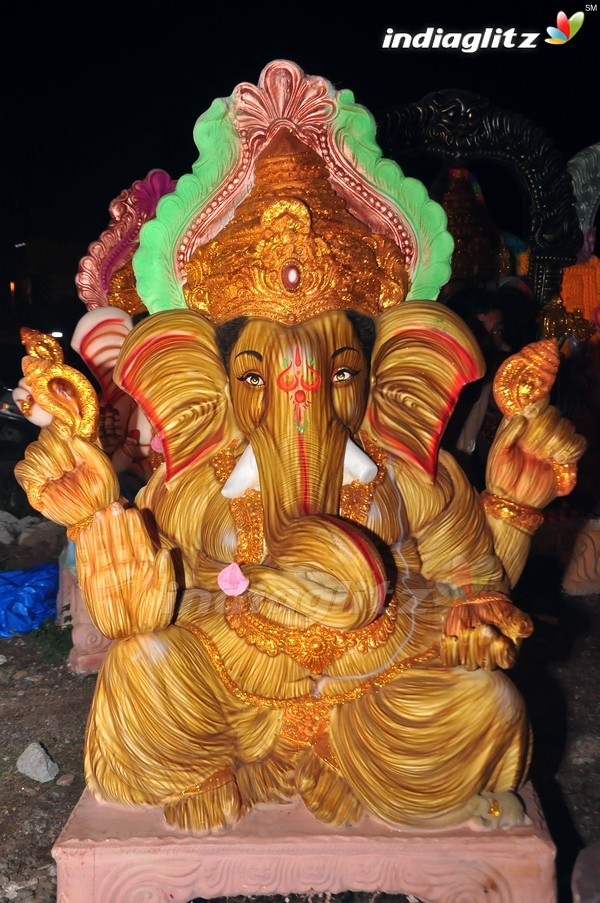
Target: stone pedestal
[117,854]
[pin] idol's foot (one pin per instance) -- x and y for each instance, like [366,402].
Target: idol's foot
[325,791]
[497,810]
[209,807]
[270,780]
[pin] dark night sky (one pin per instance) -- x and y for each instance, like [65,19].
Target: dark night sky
[94,97]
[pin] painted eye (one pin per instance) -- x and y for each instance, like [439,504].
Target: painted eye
[343,375]
[253,379]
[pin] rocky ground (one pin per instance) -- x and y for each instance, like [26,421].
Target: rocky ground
[42,701]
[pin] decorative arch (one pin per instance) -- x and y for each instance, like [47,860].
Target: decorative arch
[581,282]
[584,169]
[460,126]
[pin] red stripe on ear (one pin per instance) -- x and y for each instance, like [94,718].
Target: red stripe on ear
[201,451]
[130,367]
[412,443]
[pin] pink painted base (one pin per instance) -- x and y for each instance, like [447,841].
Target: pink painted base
[116,854]
[89,645]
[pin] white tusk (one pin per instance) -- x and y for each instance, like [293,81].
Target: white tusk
[357,465]
[243,476]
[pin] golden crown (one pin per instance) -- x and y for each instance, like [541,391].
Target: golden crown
[293,250]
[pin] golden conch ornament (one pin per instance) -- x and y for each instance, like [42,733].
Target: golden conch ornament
[41,346]
[57,388]
[526,377]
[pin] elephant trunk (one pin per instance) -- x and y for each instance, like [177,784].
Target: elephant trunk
[300,474]
[319,565]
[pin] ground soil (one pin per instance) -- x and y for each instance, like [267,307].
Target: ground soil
[42,700]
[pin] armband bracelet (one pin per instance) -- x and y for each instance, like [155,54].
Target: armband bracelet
[523,517]
[75,529]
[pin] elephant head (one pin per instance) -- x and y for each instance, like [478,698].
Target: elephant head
[299,395]
[296,399]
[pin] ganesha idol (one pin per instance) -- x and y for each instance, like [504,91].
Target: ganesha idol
[307,599]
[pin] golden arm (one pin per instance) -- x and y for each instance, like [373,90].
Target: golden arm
[482,628]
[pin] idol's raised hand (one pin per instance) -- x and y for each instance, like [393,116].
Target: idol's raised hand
[66,478]
[128,586]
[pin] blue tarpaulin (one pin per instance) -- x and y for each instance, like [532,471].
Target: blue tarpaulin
[27,598]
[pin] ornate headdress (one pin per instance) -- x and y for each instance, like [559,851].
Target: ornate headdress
[290,210]
[292,249]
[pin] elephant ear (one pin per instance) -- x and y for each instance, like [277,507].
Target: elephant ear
[170,364]
[423,356]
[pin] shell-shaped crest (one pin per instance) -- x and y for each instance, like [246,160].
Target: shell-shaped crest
[526,377]
[64,393]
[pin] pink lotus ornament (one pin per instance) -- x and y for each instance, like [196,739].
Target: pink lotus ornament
[156,444]
[232,581]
